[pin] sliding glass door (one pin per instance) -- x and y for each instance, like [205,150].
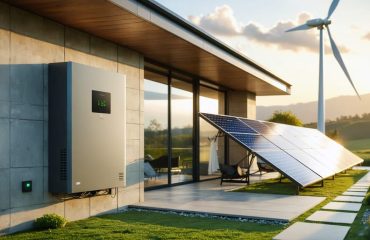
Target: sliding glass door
[155,130]
[181,131]
[211,147]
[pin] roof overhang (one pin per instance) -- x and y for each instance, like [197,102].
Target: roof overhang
[162,36]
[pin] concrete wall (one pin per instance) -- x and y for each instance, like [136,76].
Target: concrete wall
[241,104]
[27,43]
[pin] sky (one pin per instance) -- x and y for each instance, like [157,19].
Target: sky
[257,30]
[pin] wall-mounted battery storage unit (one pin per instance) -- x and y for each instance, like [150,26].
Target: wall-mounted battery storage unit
[86,128]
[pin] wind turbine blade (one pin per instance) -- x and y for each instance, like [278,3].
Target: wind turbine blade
[340,60]
[300,27]
[332,8]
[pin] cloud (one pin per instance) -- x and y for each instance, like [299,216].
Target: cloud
[222,22]
[367,36]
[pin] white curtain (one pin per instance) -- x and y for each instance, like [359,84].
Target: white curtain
[213,164]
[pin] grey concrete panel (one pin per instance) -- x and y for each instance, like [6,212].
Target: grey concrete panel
[46,144]
[26,143]
[22,218]
[48,197]
[128,57]
[46,84]
[349,199]
[4,109]
[25,23]
[313,231]
[343,206]
[4,16]
[34,26]
[28,112]
[102,48]
[20,199]
[4,188]
[4,82]
[133,99]
[332,217]
[4,144]
[77,40]
[103,204]
[4,221]
[52,32]
[26,84]
[77,209]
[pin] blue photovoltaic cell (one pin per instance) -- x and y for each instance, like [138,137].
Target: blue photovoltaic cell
[280,142]
[290,167]
[254,142]
[258,126]
[322,169]
[303,154]
[229,124]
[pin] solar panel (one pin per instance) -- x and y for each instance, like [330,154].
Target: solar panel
[302,154]
[290,167]
[228,124]
[322,169]
[254,142]
[259,126]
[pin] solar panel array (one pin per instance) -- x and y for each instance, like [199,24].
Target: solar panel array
[304,155]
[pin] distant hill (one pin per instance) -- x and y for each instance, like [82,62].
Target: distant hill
[335,107]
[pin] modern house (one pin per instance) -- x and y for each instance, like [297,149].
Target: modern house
[173,71]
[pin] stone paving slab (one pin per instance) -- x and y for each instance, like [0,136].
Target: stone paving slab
[211,198]
[359,187]
[313,231]
[332,217]
[343,206]
[362,168]
[349,199]
[357,190]
[360,194]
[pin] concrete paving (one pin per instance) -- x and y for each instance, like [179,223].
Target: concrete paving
[209,197]
[362,168]
[349,199]
[356,189]
[332,217]
[343,206]
[359,194]
[313,231]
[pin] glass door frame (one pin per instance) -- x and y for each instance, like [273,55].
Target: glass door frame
[196,84]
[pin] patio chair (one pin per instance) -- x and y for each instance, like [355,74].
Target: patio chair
[233,173]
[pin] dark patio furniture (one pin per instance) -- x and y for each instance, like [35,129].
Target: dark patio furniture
[162,162]
[233,173]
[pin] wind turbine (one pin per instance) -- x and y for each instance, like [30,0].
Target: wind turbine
[321,24]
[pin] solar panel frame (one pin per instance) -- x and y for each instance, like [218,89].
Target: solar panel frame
[272,148]
[305,145]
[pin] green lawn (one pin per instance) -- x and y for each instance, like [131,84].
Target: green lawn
[151,225]
[331,189]
[361,147]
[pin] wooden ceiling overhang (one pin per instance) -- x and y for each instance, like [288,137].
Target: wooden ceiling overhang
[162,36]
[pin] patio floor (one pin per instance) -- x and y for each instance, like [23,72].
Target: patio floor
[210,198]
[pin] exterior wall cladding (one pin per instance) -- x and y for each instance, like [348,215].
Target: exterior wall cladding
[27,43]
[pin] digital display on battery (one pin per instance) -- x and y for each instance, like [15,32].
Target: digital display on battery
[101,102]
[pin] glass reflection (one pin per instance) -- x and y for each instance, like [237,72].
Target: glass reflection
[182,131]
[210,101]
[155,130]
